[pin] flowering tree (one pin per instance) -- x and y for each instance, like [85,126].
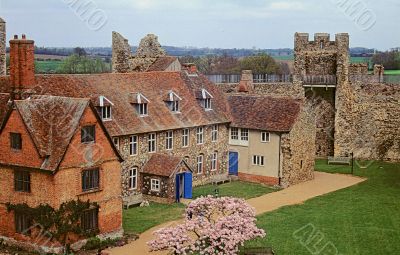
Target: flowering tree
[212,226]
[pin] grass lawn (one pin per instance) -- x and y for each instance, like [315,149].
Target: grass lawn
[393,72]
[139,219]
[47,66]
[362,219]
[239,189]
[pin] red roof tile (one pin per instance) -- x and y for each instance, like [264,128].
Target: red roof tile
[162,165]
[162,63]
[4,98]
[263,113]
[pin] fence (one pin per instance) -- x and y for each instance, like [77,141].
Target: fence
[257,78]
[224,78]
[319,79]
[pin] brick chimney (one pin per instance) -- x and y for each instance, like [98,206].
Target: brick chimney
[22,63]
[191,68]
[246,81]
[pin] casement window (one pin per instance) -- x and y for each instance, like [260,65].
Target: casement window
[200,135]
[234,133]
[133,178]
[88,134]
[244,134]
[207,104]
[90,220]
[199,164]
[185,137]
[152,142]
[258,160]
[23,223]
[265,137]
[133,145]
[22,181]
[15,141]
[214,161]
[214,133]
[116,142]
[173,101]
[169,140]
[106,112]
[90,179]
[155,185]
[206,99]
[142,109]
[174,106]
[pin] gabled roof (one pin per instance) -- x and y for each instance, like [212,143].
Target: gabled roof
[172,96]
[103,101]
[118,88]
[162,63]
[203,94]
[263,112]
[163,165]
[4,99]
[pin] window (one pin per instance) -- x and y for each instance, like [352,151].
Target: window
[199,135]
[106,112]
[88,134]
[321,45]
[90,179]
[133,178]
[155,185]
[214,133]
[142,109]
[152,142]
[116,142]
[16,141]
[22,181]
[90,220]
[169,140]
[214,161]
[244,134]
[185,137]
[22,223]
[265,136]
[258,160]
[174,106]
[207,104]
[234,133]
[199,164]
[133,139]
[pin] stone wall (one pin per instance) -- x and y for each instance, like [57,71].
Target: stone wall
[281,89]
[298,149]
[3,69]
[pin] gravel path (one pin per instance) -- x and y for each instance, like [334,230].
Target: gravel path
[323,183]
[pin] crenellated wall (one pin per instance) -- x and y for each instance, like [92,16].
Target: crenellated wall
[3,69]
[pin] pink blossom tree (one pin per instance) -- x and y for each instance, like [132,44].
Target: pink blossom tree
[212,226]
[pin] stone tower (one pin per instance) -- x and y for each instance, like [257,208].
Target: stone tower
[121,54]
[3,69]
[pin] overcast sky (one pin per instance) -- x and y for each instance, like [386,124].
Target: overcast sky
[203,23]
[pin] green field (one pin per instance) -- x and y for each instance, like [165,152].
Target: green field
[362,219]
[392,72]
[47,66]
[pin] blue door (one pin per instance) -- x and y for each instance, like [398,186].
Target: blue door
[188,185]
[233,163]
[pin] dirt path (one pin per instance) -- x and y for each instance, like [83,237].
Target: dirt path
[322,184]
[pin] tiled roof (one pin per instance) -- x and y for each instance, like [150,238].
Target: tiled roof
[3,106]
[162,63]
[263,112]
[51,122]
[161,164]
[118,88]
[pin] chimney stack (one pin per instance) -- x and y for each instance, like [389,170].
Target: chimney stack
[3,68]
[246,81]
[22,63]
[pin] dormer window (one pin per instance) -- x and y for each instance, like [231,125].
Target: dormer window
[206,99]
[105,106]
[141,103]
[172,101]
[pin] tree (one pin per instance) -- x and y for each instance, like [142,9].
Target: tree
[261,64]
[389,59]
[83,64]
[212,226]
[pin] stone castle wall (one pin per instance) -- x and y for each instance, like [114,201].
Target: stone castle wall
[3,69]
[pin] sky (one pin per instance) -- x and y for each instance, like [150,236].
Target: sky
[202,23]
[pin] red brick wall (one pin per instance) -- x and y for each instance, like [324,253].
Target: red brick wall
[22,63]
[259,179]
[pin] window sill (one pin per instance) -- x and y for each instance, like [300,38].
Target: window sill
[88,143]
[90,192]
[105,120]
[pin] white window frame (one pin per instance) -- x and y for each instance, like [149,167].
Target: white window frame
[169,140]
[244,134]
[116,142]
[106,113]
[214,133]
[200,164]
[207,104]
[200,135]
[175,106]
[258,160]
[152,143]
[185,137]
[265,137]
[133,174]
[155,185]
[133,145]
[214,161]
[143,109]
[234,133]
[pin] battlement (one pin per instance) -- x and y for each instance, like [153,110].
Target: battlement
[321,41]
